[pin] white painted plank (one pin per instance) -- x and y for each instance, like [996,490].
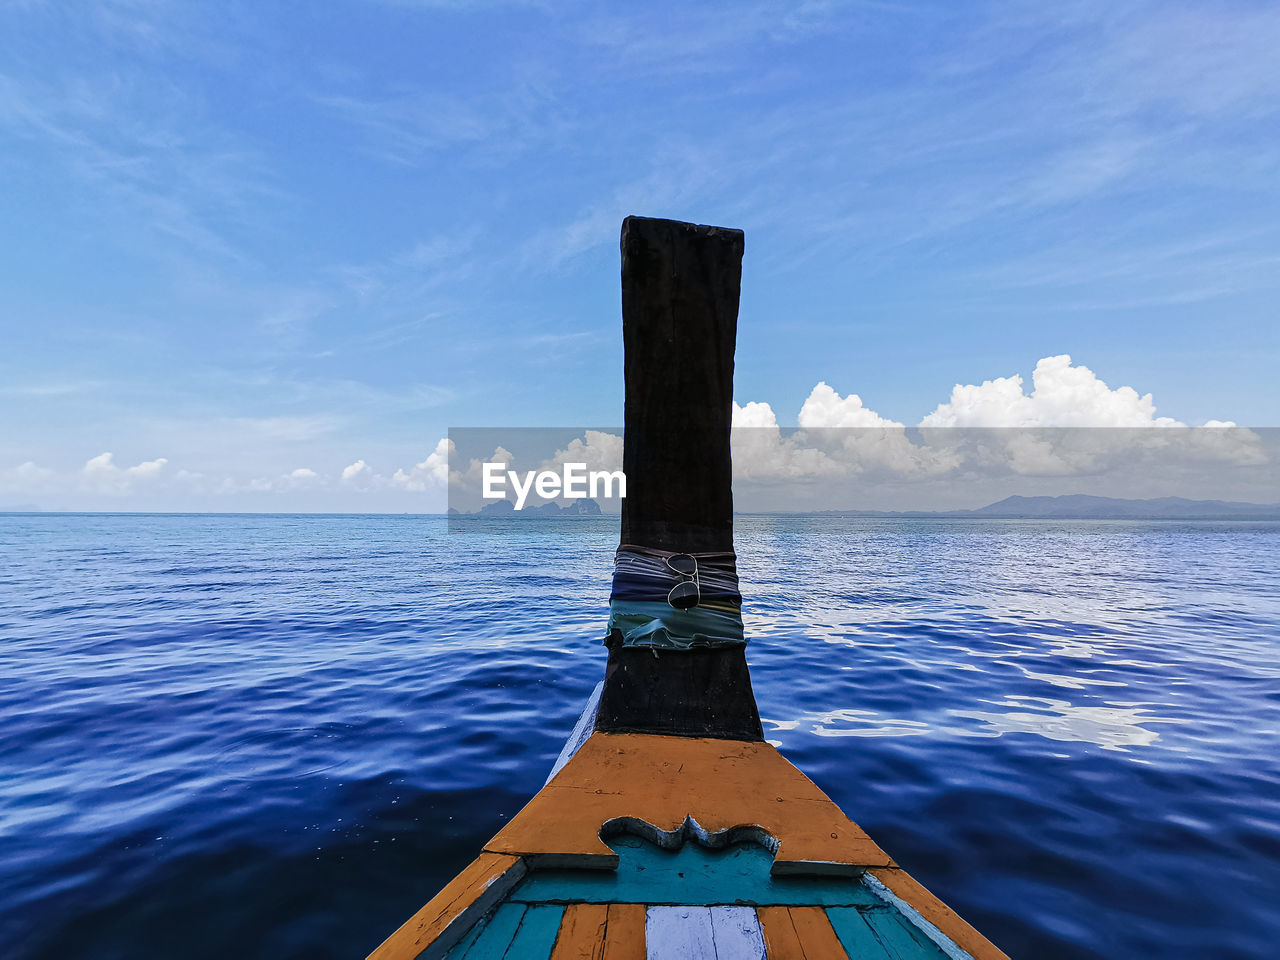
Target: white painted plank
[679,933]
[582,729]
[737,933]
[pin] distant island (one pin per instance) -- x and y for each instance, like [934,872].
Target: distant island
[585,507]
[1085,507]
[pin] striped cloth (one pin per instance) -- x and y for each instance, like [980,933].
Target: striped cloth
[640,613]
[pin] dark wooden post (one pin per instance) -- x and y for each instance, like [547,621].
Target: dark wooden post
[680,288]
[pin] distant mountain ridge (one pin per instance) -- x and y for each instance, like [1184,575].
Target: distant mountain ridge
[1080,506]
[585,507]
[1084,506]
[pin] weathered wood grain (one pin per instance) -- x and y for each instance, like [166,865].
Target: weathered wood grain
[817,939]
[664,780]
[901,939]
[679,933]
[855,934]
[780,939]
[536,934]
[494,937]
[624,936]
[737,933]
[680,290]
[443,921]
[582,932]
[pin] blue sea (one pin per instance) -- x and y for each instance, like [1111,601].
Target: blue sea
[277,736]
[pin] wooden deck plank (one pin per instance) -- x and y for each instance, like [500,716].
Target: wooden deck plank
[817,939]
[495,939]
[459,951]
[780,939]
[855,934]
[624,935]
[430,932]
[536,934]
[901,939]
[737,933]
[679,933]
[582,932]
[720,784]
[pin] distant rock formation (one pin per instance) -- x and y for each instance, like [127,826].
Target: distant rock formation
[585,507]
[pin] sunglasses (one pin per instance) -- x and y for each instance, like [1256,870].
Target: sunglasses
[685,594]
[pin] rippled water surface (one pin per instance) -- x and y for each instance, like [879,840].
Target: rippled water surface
[277,736]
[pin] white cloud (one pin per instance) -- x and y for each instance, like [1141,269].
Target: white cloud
[838,438]
[101,475]
[597,449]
[431,473]
[1004,430]
[826,408]
[356,472]
[1062,396]
[760,451]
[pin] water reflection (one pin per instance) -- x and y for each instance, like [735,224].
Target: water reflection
[1112,727]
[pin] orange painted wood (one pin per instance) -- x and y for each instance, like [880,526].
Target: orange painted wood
[582,932]
[624,936]
[939,914]
[662,780]
[780,940]
[817,938]
[421,930]
[799,933]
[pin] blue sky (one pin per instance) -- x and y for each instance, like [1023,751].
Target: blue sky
[265,242]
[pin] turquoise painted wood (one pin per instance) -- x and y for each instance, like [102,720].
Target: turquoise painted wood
[701,904]
[856,936]
[492,936]
[537,933]
[881,933]
[460,949]
[691,875]
[902,938]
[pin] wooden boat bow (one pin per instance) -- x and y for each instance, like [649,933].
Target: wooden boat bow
[672,829]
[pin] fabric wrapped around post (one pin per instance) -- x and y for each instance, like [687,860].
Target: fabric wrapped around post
[641,615]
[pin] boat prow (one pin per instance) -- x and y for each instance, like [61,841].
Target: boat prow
[647,846]
[670,828]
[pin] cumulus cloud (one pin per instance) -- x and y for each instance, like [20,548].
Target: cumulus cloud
[100,474]
[356,472]
[762,452]
[597,449]
[1062,395]
[303,478]
[987,428]
[1068,424]
[825,408]
[431,473]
